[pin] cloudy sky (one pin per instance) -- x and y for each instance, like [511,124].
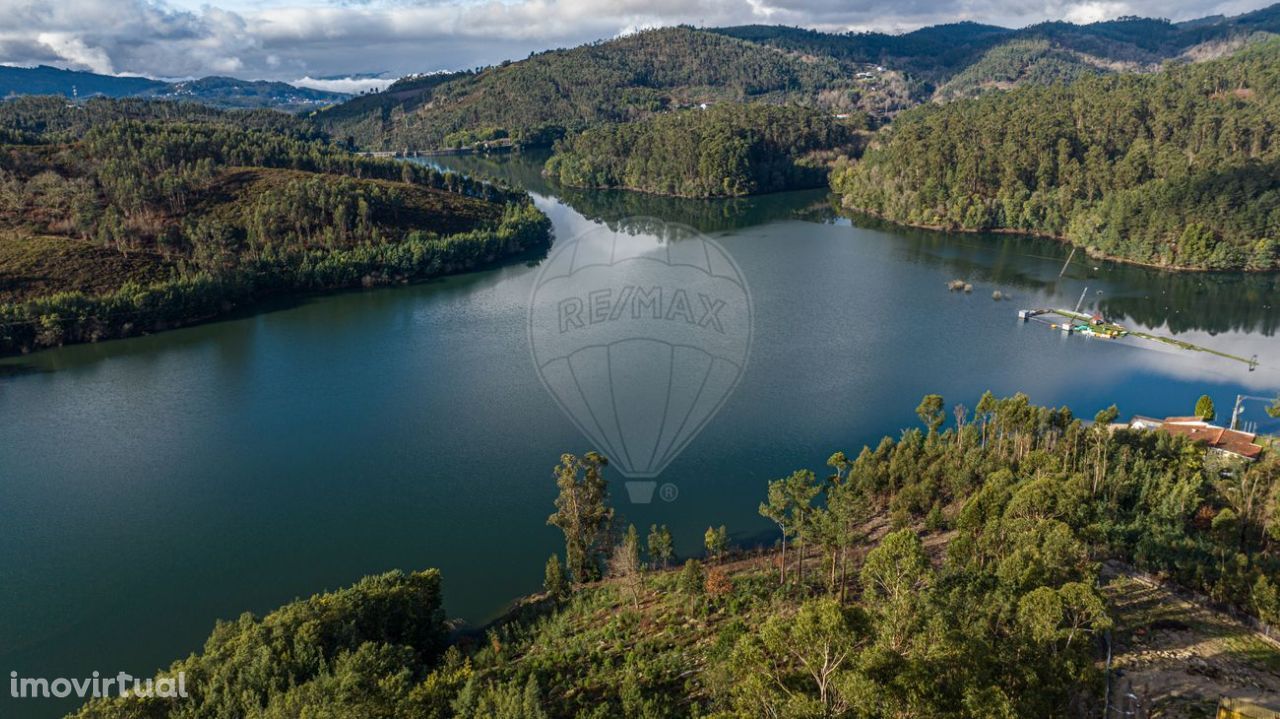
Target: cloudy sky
[292,39]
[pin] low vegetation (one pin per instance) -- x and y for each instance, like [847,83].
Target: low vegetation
[965,571]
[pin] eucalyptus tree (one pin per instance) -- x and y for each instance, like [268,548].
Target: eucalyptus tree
[583,513]
[661,547]
[789,505]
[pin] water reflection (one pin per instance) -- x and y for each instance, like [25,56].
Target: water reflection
[1178,302]
[614,206]
[1209,302]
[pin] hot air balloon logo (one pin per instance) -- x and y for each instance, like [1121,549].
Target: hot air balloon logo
[640,338]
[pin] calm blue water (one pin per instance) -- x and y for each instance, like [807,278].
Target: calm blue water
[151,486]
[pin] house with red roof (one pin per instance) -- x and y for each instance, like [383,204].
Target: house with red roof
[1228,442]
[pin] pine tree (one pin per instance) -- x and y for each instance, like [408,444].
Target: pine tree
[716,540]
[1205,409]
[661,548]
[554,582]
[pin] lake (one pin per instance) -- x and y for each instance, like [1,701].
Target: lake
[151,486]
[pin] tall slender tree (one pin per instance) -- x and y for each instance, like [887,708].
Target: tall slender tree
[625,565]
[661,548]
[788,505]
[716,540]
[583,513]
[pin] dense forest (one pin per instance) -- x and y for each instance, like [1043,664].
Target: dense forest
[722,151]
[119,217]
[967,569]
[1176,169]
[533,101]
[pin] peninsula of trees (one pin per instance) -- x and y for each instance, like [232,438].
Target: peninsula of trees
[122,217]
[721,151]
[1178,169]
[979,569]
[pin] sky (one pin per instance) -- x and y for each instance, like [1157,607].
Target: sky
[318,40]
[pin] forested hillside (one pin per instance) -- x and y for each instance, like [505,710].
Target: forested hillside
[51,120]
[935,55]
[533,101]
[45,80]
[950,572]
[1176,169]
[1020,62]
[723,151]
[111,226]
[538,99]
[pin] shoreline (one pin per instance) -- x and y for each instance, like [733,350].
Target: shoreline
[639,191]
[848,211]
[252,304]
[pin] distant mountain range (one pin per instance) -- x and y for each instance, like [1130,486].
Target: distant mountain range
[223,92]
[534,100]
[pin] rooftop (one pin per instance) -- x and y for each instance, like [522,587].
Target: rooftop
[1220,438]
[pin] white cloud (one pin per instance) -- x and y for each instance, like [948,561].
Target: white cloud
[73,49]
[1087,12]
[350,85]
[285,39]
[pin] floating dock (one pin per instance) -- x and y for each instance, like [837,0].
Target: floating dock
[1071,322]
